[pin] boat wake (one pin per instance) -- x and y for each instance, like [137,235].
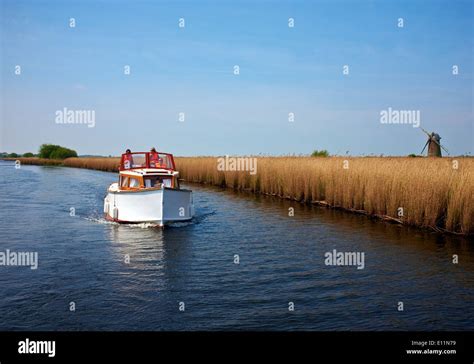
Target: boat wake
[197,219]
[101,220]
[143,225]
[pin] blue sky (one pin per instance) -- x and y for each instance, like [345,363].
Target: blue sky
[282,70]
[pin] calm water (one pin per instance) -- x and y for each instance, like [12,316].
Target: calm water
[82,260]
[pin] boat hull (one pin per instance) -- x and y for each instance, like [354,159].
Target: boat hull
[158,206]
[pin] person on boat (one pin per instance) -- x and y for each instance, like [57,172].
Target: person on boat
[128,159]
[154,158]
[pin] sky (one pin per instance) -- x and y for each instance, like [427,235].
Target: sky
[283,71]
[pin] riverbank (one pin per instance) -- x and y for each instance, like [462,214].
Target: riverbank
[422,192]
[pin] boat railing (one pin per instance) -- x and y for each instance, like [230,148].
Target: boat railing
[140,160]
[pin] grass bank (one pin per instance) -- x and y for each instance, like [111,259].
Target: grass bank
[422,192]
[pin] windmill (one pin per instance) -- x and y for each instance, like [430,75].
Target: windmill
[434,145]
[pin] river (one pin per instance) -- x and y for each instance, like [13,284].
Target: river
[96,275]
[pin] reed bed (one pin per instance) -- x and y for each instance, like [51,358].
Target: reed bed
[37,161]
[423,192]
[100,164]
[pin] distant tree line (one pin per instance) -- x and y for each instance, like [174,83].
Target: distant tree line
[320,153]
[47,151]
[16,155]
[52,151]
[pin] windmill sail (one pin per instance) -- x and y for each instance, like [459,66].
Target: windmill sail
[424,147]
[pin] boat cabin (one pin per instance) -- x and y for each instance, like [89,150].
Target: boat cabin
[147,170]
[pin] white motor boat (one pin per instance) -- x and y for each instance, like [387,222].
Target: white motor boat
[148,191]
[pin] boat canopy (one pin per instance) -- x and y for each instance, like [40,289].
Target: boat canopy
[136,160]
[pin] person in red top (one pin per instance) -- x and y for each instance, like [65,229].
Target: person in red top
[154,158]
[128,159]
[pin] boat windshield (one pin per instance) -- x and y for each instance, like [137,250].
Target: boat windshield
[160,160]
[134,160]
[147,160]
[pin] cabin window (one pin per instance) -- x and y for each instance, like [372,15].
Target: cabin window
[156,181]
[167,182]
[151,182]
[123,181]
[134,183]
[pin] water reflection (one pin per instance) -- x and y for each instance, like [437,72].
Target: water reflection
[357,225]
[153,252]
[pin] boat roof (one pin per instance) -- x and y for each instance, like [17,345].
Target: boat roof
[149,172]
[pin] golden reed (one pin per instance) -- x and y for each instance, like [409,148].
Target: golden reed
[424,192]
